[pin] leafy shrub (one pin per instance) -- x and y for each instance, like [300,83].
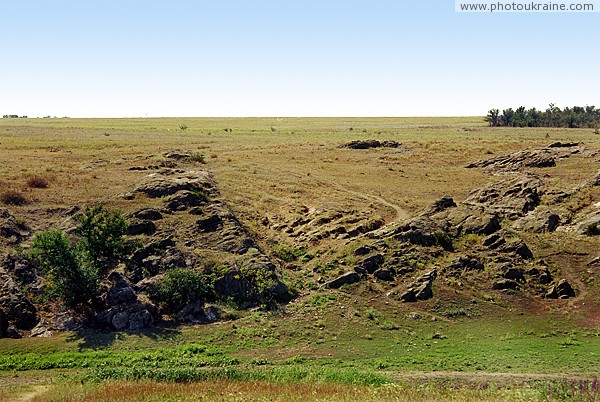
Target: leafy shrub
[443,240]
[181,287]
[288,253]
[71,280]
[197,158]
[74,271]
[201,194]
[266,288]
[103,236]
[593,229]
[37,182]
[12,197]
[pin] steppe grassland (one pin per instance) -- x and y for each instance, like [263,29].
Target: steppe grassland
[277,167]
[268,164]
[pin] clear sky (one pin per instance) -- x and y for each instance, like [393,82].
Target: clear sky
[136,58]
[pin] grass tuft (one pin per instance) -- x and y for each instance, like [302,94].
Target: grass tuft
[37,182]
[12,197]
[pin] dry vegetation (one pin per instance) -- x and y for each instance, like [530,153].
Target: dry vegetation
[275,171]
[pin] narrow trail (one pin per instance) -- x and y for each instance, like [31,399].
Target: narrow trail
[30,395]
[401,213]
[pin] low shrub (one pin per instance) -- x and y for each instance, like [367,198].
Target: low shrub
[12,197]
[37,182]
[74,271]
[181,287]
[69,279]
[103,239]
[592,229]
[288,253]
[443,240]
[197,158]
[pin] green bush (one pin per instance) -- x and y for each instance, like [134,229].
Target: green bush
[74,271]
[197,158]
[443,240]
[263,283]
[69,278]
[103,241]
[593,229]
[288,253]
[181,287]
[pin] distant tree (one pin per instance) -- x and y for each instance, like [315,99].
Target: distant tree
[520,117]
[571,117]
[533,117]
[507,117]
[493,117]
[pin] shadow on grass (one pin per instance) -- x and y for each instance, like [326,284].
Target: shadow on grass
[100,339]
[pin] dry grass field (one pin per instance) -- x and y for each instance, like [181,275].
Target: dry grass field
[279,176]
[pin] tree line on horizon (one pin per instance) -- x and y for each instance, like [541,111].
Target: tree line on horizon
[571,117]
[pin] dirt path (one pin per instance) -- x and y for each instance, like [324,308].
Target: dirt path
[401,213]
[30,395]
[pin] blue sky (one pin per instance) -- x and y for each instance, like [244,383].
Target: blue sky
[129,58]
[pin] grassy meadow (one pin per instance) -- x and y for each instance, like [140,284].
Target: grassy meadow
[334,345]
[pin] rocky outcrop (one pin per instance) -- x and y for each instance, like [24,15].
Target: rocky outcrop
[139,227]
[127,317]
[120,292]
[10,229]
[422,231]
[594,181]
[559,144]
[562,290]
[421,289]
[345,279]
[473,219]
[516,161]
[588,224]
[464,264]
[314,225]
[504,284]
[538,221]
[158,186]
[438,206]
[369,264]
[147,214]
[509,198]
[367,144]
[185,199]
[17,310]
[124,310]
[197,313]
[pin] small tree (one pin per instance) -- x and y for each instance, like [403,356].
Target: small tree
[74,271]
[493,118]
[507,117]
[102,234]
[68,278]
